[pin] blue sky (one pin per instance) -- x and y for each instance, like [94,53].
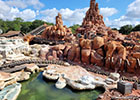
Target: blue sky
[116,12]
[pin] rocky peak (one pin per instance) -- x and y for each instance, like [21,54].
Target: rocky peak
[93,21]
[93,16]
[59,20]
[92,4]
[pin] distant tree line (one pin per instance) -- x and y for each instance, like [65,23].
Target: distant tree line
[126,29]
[74,27]
[19,24]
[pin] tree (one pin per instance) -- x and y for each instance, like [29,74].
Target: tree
[36,24]
[25,27]
[136,28]
[49,23]
[114,29]
[3,26]
[17,23]
[18,19]
[74,27]
[126,29]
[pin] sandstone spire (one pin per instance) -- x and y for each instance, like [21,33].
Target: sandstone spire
[92,15]
[58,31]
[93,21]
[59,20]
[92,4]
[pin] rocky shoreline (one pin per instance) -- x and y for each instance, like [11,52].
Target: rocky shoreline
[78,78]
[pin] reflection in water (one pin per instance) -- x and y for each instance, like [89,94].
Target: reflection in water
[38,89]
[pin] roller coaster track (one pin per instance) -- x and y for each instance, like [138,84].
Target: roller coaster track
[38,30]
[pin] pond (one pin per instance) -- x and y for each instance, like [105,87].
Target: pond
[38,89]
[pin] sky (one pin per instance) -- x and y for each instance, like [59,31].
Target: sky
[116,12]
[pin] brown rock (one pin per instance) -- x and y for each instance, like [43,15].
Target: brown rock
[72,52]
[96,58]
[50,58]
[67,48]
[131,65]
[77,55]
[86,56]
[136,48]
[54,54]
[100,51]
[56,32]
[136,55]
[60,54]
[59,47]
[85,43]
[92,21]
[98,42]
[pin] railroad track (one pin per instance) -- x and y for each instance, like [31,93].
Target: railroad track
[10,67]
[102,72]
[38,40]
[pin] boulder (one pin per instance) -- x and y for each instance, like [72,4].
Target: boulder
[100,51]
[61,83]
[131,64]
[22,76]
[114,76]
[49,74]
[31,67]
[72,52]
[85,43]
[67,48]
[85,53]
[96,58]
[77,55]
[98,42]
[110,81]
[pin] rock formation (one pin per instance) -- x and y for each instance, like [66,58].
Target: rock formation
[99,45]
[58,31]
[93,21]
[74,76]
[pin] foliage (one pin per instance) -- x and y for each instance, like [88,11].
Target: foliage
[19,24]
[114,29]
[126,29]
[74,27]
[36,24]
[25,27]
[136,28]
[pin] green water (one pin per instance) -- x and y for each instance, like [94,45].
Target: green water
[38,89]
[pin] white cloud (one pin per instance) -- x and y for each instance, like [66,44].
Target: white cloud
[7,12]
[117,23]
[106,12]
[69,16]
[131,17]
[133,10]
[24,3]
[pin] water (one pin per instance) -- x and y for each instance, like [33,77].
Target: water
[38,89]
